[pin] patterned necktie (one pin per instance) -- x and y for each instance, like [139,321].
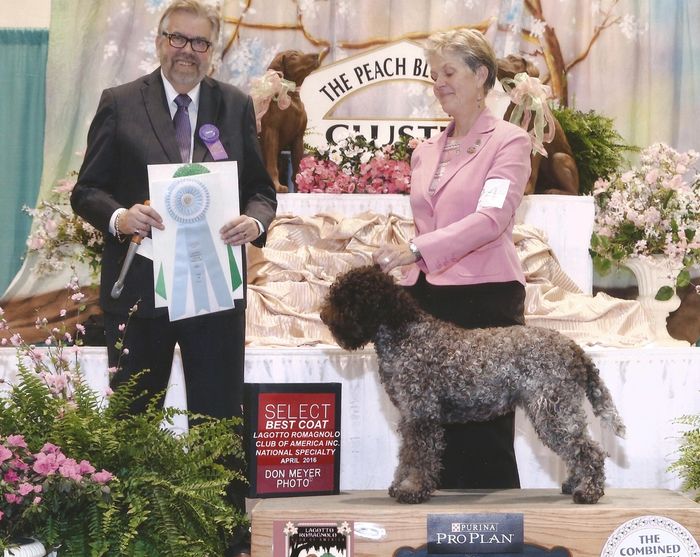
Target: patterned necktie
[183,131]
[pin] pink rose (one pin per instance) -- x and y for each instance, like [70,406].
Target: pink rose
[102,477]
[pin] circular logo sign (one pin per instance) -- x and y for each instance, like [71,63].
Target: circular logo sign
[657,536]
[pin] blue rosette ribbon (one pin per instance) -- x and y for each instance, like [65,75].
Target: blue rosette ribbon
[187,202]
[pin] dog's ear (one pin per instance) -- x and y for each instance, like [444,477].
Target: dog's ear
[278,62]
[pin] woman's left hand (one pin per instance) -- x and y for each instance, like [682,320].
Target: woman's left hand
[389,257]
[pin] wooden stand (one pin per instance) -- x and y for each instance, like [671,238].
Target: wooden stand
[550,518]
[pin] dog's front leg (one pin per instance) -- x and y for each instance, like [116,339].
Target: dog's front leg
[422,444]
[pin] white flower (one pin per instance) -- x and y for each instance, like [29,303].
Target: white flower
[537,28]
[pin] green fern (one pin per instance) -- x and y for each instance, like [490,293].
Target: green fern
[688,464]
[169,495]
[597,146]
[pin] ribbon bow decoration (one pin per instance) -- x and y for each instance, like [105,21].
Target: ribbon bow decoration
[529,96]
[271,86]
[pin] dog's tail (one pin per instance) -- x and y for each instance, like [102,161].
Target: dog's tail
[601,400]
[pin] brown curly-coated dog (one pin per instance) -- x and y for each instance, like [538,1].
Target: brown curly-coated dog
[437,373]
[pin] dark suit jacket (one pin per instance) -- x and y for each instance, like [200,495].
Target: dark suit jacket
[133,128]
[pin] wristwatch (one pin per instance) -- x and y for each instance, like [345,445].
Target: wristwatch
[415,251]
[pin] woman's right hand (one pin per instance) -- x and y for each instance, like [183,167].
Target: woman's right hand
[390,257]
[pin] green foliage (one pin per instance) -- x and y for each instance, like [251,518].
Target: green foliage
[168,496]
[688,464]
[598,148]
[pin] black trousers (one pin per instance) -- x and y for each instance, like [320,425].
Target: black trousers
[212,348]
[478,455]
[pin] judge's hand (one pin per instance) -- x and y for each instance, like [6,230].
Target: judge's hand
[139,219]
[239,230]
[389,257]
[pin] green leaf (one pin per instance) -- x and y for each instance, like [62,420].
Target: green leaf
[664,293]
[683,278]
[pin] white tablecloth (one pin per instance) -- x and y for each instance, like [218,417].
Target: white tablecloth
[651,387]
[567,220]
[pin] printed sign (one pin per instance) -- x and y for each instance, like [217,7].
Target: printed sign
[328,86]
[651,535]
[475,533]
[303,539]
[293,438]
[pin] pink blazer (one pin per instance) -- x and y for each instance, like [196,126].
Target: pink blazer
[460,242]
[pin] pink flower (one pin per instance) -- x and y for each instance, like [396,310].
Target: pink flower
[35,242]
[102,477]
[16,441]
[85,467]
[25,489]
[5,454]
[13,499]
[70,469]
[50,448]
[47,464]
[11,476]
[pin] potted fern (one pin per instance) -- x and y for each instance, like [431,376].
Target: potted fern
[688,464]
[166,491]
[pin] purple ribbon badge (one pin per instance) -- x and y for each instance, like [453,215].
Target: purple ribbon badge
[209,133]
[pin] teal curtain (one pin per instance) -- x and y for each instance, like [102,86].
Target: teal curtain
[23,54]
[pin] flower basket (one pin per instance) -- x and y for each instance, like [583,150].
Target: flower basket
[357,165]
[650,210]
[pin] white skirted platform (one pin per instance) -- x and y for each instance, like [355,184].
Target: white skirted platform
[651,387]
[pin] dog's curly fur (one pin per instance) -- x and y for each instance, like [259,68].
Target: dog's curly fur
[437,373]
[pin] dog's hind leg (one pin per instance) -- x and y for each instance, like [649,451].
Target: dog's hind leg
[562,428]
[422,443]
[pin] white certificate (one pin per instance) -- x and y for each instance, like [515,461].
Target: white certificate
[194,272]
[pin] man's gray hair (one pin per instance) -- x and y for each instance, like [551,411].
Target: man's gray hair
[194,7]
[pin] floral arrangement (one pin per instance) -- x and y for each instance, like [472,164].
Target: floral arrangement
[651,209]
[59,236]
[355,164]
[44,489]
[164,493]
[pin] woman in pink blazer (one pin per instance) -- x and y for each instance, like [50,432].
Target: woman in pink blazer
[466,185]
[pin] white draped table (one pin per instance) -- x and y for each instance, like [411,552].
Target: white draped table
[651,387]
[567,220]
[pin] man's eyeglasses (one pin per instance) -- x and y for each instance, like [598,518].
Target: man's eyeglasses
[179,41]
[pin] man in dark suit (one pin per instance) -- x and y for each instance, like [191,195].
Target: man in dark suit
[134,127]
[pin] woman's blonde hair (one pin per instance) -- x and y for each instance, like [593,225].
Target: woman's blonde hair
[470,45]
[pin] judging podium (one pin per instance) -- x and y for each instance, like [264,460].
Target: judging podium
[625,523]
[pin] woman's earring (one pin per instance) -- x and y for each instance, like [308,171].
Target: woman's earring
[478,101]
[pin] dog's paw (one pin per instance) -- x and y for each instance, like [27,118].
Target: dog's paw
[567,488]
[410,497]
[408,492]
[586,493]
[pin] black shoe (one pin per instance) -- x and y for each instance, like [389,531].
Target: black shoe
[238,550]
